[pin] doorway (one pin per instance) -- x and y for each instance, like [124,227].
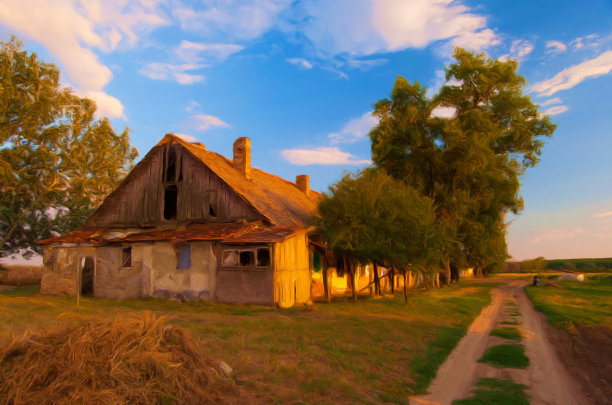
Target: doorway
[87,276]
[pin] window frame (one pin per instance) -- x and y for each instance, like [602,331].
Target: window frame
[254,249]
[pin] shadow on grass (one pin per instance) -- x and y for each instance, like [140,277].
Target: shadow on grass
[502,356]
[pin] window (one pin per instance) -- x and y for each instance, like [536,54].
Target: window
[126,257]
[259,257]
[263,257]
[211,211]
[170,202]
[183,256]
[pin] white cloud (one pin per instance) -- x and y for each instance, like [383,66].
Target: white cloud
[354,130]
[556,46]
[521,48]
[365,64]
[555,110]
[192,106]
[365,27]
[321,156]
[476,41]
[176,72]
[568,78]
[303,63]
[555,100]
[197,52]
[239,19]
[185,137]
[602,214]
[205,122]
[108,106]
[70,30]
[588,41]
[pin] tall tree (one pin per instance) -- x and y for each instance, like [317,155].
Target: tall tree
[470,163]
[56,161]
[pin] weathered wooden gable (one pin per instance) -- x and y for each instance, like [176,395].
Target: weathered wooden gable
[171,187]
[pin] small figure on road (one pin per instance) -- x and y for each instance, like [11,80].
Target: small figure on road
[536,281]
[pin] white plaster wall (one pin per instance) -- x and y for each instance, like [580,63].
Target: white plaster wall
[197,282]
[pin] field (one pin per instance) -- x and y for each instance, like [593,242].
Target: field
[375,350]
[581,313]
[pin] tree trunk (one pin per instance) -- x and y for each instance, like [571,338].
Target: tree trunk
[348,266]
[376,279]
[392,280]
[447,270]
[324,270]
[405,274]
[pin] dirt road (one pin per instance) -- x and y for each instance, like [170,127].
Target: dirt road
[546,378]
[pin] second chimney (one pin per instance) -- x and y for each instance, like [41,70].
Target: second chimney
[303,183]
[242,156]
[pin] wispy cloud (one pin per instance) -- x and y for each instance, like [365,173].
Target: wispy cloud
[555,100]
[205,122]
[321,156]
[570,77]
[237,20]
[555,110]
[444,112]
[300,62]
[201,52]
[179,73]
[354,130]
[556,47]
[602,214]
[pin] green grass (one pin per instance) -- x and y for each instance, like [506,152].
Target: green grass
[509,323]
[507,355]
[507,333]
[372,351]
[22,291]
[586,303]
[495,391]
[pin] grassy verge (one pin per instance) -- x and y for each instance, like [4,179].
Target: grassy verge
[502,356]
[586,303]
[377,350]
[495,391]
[507,333]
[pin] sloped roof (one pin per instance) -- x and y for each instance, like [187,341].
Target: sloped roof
[279,200]
[253,232]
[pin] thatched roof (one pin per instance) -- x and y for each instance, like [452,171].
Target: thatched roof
[278,200]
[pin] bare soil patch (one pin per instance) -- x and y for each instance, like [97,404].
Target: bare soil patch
[587,354]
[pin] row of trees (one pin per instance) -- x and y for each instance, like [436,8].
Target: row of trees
[57,162]
[439,188]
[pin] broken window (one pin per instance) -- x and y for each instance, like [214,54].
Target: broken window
[230,258]
[183,256]
[259,257]
[247,258]
[211,211]
[263,257]
[126,257]
[170,202]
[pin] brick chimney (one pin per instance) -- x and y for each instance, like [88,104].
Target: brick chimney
[242,156]
[303,183]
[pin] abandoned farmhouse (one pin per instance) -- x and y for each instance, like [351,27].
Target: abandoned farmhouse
[190,223]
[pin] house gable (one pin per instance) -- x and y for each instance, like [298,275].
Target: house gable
[170,186]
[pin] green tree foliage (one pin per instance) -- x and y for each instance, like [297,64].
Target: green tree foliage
[371,217]
[469,163]
[57,162]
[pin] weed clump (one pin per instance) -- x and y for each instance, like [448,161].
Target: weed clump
[129,360]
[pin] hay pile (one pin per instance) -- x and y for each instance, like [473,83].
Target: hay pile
[133,360]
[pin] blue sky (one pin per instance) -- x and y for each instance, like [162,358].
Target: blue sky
[300,77]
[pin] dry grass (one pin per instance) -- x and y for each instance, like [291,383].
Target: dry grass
[129,360]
